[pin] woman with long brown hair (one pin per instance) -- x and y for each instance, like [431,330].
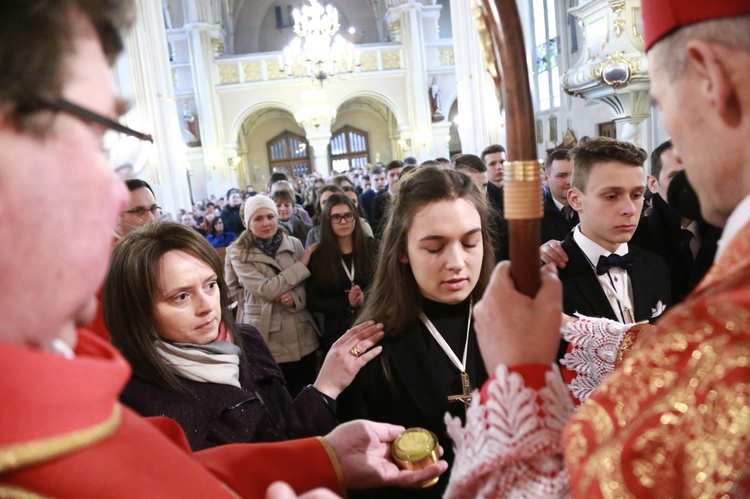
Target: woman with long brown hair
[340,269]
[434,263]
[166,307]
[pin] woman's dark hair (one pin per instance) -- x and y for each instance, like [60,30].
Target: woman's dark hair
[318,193]
[131,290]
[328,252]
[359,211]
[215,221]
[394,297]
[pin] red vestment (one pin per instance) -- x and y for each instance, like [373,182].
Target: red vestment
[671,421]
[63,433]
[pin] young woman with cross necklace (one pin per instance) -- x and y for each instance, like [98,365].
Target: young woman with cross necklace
[434,263]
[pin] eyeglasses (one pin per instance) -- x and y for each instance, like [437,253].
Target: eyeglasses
[142,210]
[63,105]
[340,219]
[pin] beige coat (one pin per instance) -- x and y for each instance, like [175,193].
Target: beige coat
[257,281]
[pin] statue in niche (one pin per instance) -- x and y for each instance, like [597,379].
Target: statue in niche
[436,105]
[189,126]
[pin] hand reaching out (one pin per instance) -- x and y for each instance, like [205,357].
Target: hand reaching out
[305,259]
[347,356]
[363,449]
[553,252]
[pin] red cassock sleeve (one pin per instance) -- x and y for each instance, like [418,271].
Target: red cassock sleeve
[304,464]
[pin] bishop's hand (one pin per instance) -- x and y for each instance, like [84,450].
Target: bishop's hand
[513,329]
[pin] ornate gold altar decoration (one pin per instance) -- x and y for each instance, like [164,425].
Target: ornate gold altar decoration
[612,68]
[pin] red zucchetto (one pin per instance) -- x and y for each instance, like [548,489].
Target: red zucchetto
[661,17]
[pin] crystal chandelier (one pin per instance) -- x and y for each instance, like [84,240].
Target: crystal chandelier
[318,51]
[316,111]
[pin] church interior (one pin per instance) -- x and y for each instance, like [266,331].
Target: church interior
[235,90]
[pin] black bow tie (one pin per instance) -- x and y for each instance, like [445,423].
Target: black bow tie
[605,263]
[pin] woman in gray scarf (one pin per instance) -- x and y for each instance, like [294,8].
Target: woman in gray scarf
[166,307]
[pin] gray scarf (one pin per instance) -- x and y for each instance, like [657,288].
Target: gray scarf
[217,362]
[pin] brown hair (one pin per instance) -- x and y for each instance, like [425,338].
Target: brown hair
[132,287]
[282,196]
[316,202]
[591,152]
[556,155]
[394,297]
[328,252]
[36,38]
[470,163]
[492,149]
[656,162]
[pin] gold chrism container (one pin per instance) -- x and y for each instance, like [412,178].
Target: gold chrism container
[415,449]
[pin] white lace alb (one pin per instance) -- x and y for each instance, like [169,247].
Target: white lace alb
[507,448]
[595,344]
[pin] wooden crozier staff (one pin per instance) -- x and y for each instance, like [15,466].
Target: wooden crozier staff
[502,37]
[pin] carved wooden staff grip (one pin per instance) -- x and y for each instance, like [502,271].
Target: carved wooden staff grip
[502,35]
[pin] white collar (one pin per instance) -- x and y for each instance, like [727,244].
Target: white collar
[735,223]
[559,205]
[592,250]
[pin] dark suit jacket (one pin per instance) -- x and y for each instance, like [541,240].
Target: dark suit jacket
[554,225]
[659,232]
[498,224]
[366,201]
[380,212]
[582,292]
[416,395]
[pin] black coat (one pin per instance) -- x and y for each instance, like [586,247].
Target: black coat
[498,223]
[230,215]
[582,292]
[332,302]
[554,224]
[659,232]
[421,379]
[366,201]
[380,206]
[214,414]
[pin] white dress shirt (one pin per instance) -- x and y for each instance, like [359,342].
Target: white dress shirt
[615,282]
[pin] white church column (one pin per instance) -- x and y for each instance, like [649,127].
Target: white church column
[405,17]
[202,27]
[149,83]
[480,122]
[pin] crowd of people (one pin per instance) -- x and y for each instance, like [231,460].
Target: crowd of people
[343,310]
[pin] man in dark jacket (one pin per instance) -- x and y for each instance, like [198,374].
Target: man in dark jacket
[688,246]
[231,212]
[559,217]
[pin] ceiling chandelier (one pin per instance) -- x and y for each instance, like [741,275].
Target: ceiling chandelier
[318,51]
[316,111]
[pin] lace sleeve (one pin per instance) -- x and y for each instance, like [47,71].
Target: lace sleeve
[511,445]
[596,347]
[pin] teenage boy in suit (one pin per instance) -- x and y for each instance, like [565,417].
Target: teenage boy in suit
[605,276]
